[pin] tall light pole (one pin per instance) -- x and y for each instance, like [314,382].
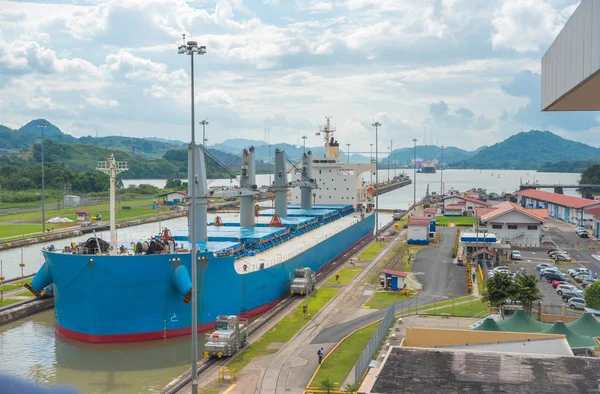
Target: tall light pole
[42,126]
[371,163]
[304,137]
[442,172]
[203,122]
[389,155]
[190,48]
[392,151]
[415,172]
[377,125]
[348,145]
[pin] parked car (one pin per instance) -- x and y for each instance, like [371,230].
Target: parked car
[558,251]
[494,272]
[567,295]
[555,283]
[579,229]
[548,270]
[576,303]
[515,255]
[561,257]
[500,267]
[583,233]
[581,277]
[562,288]
[587,281]
[542,266]
[555,275]
[576,271]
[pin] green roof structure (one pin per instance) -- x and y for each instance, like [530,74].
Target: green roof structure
[489,324]
[586,325]
[576,341]
[520,321]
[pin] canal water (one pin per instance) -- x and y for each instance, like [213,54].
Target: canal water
[30,348]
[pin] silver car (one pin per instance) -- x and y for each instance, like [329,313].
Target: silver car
[576,303]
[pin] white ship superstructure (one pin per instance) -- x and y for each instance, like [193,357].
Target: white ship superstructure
[337,182]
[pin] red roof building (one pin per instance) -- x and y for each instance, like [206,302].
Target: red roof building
[558,199]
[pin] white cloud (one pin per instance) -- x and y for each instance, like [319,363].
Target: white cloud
[44,103]
[526,25]
[101,103]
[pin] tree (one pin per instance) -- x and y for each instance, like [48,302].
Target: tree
[173,183]
[351,388]
[526,290]
[592,296]
[498,288]
[327,385]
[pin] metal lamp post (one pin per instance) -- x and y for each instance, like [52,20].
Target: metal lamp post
[442,173]
[304,143]
[190,49]
[203,122]
[42,126]
[415,173]
[377,125]
[348,145]
[388,160]
[371,162]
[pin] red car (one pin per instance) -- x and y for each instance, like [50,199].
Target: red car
[555,283]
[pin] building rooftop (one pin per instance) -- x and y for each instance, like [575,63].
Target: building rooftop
[441,371]
[593,211]
[506,207]
[418,223]
[558,199]
[474,200]
[394,273]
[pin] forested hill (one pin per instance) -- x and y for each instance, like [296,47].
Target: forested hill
[528,151]
[76,164]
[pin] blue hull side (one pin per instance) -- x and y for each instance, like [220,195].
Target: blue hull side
[135,298]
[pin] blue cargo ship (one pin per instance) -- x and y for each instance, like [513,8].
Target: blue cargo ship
[105,293]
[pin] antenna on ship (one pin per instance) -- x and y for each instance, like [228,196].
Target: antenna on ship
[112,168]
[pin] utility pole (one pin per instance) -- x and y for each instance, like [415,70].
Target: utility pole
[204,123]
[442,172]
[377,125]
[304,137]
[388,160]
[42,126]
[190,48]
[371,163]
[348,145]
[415,172]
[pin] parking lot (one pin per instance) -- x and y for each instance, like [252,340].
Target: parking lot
[564,236]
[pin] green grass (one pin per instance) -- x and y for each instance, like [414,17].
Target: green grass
[469,309]
[411,249]
[346,275]
[14,285]
[384,299]
[339,363]
[284,330]
[8,301]
[457,220]
[372,251]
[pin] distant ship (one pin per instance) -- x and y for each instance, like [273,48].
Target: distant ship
[428,168]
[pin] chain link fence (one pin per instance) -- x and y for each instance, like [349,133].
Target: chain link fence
[369,351]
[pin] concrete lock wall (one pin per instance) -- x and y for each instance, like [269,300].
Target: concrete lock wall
[427,337]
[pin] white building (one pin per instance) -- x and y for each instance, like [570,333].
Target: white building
[418,232]
[174,198]
[595,227]
[513,224]
[457,205]
[569,209]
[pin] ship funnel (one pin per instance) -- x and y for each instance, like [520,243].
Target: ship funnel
[197,180]
[281,184]
[247,188]
[307,183]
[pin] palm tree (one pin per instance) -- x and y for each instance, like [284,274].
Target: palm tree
[351,388]
[327,385]
[498,288]
[526,290]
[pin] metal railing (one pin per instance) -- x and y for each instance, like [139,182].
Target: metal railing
[369,351]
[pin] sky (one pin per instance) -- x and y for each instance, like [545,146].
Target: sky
[459,73]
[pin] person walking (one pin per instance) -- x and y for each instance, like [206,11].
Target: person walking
[320,354]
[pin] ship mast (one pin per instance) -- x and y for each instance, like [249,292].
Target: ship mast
[112,168]
[331,146]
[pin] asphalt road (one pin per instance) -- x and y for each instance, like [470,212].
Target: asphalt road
[433,267]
